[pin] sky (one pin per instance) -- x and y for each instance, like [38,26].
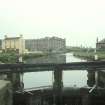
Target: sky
[80,22]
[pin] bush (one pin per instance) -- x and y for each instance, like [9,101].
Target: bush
[8,57]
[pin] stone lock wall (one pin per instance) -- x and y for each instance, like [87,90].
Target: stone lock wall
[5,93]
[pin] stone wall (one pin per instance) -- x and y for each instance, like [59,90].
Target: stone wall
[5,93]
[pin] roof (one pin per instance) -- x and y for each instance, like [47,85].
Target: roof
[12,38]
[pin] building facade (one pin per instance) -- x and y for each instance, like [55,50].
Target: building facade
[100,45]
[0,44]
[14,43]
[45,44]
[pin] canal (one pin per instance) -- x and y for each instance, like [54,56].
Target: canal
[70,78]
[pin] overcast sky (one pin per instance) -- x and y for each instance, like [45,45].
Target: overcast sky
[79,21]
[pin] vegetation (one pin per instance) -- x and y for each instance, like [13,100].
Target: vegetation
[12,57]
[79,49]
[26,56]
[84,55]
[89,55]
[8,57]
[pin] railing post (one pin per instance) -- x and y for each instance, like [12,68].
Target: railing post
[91,78]
[57,86]
[96,78]
[16,80]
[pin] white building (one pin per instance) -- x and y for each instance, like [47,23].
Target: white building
[14,43]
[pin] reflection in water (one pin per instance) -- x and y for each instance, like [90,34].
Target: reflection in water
[71,58]
[36,79]
[74,78]
[57,58]
[70,78]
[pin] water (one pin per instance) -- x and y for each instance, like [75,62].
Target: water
[70,78]
[74,78]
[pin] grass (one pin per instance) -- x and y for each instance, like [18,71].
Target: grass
[26,56]
[13,57]
[8,57]
[90,55]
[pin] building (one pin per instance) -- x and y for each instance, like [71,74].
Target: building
[45,44]
[14,43]
[100,45]
[0,44]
